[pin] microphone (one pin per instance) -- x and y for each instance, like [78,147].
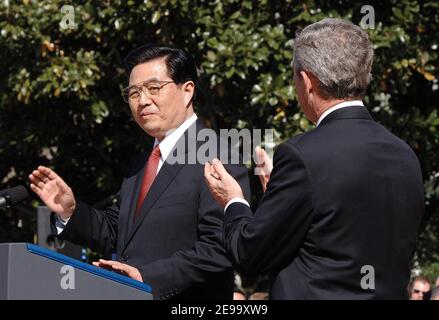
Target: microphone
[11,197]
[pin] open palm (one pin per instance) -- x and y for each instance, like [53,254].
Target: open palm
[53,191]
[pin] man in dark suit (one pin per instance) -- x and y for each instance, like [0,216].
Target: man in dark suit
[165,226]
[341,213]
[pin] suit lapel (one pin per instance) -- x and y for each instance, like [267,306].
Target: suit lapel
[161,182]
[131,188]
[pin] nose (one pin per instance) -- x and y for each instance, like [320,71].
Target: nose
[144,99]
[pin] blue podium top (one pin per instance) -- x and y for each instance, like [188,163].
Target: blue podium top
[87,267]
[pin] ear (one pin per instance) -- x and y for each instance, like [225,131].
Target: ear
[308,81]
[188,91]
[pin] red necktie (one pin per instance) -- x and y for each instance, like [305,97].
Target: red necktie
[148,176]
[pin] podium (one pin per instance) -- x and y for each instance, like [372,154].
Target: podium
[30,272]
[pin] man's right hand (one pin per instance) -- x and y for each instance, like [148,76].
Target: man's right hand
[54,192]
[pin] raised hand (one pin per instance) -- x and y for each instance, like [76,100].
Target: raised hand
[221,184]
[264,166]
[53,191]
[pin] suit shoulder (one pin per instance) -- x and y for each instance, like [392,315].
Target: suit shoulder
[394,137]
[400,143]
[298,140]
[289,148]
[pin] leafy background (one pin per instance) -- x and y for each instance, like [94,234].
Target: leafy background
[60,102]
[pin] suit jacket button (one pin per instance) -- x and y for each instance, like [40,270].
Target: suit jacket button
[125,257]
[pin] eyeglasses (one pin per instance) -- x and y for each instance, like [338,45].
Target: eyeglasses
[419,291]
[151,88]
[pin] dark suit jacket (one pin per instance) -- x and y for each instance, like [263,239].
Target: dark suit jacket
[176,241]
[343,197]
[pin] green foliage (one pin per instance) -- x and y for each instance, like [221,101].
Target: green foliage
[431,271]
[60,102]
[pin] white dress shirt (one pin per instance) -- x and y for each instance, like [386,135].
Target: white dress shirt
[339,106]
[343,104]
[166,146]
[171,138]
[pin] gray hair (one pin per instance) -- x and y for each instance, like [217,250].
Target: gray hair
[339,54]
[435,294]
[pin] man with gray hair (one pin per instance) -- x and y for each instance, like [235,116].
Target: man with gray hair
[341,212]
[435,294]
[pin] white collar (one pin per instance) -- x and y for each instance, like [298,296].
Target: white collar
[340,105]
[172,136]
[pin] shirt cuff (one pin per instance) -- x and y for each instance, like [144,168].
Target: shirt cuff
[60,223]
[236,200]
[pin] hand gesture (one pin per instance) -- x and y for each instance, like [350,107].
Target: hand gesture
[264,166]
[53,191]
[221,184]
[121,268]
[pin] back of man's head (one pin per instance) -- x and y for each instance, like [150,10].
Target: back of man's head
[339,54]
[435,294]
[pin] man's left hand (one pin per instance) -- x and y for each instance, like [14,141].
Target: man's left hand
[220,183]
[120,267]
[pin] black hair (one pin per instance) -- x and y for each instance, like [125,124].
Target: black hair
[180,65]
